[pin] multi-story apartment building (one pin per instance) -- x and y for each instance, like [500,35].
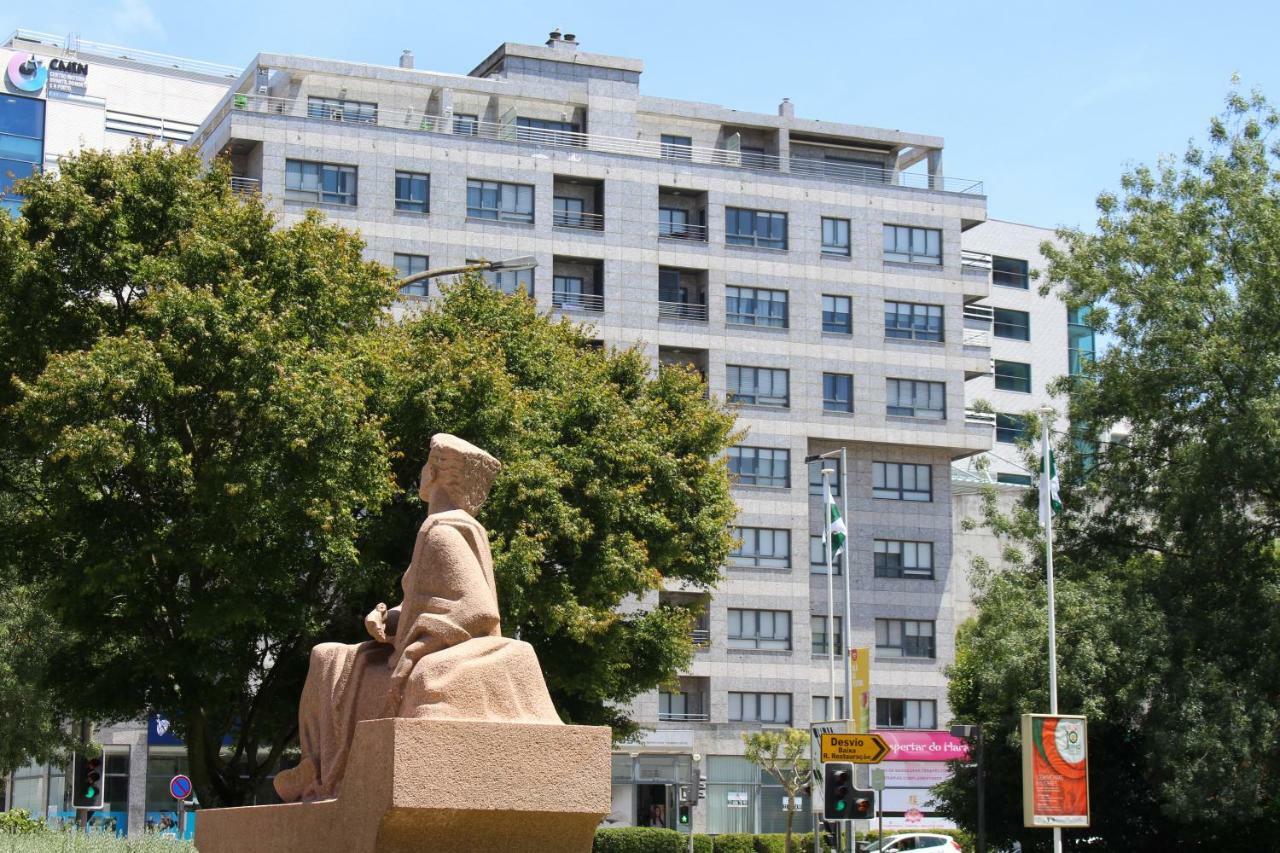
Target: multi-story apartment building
[811,270]
[61,95]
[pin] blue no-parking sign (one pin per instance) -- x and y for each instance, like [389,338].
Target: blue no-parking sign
[180,787]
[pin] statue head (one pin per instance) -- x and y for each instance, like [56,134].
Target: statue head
[461,469]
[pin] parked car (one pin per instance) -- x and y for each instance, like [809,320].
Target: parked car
[930,841]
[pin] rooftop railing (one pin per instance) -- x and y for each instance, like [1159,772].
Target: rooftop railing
[75,44]
[509,131]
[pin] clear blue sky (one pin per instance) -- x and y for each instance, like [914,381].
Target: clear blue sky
[1045,102]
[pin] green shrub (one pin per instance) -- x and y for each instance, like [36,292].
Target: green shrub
[639,839]
[774,843]
[19,822]
[735,842]
[56,841]
[703,844]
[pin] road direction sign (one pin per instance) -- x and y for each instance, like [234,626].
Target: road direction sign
[180,787]
[877,779]
[856,749]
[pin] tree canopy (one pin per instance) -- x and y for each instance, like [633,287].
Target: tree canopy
[1166,558]
[216,428]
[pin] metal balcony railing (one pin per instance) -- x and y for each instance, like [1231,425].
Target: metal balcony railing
[686,717]
[976,418]
[682,311]
[578,301]
[509,131]
[578,221]
[700,636]
[77,45]
[672,231]
[977,337]
[971,261]
[245,186]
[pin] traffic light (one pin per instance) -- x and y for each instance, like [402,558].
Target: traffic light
[86,775]
[864,805]
[682,813]
[700,784]
[837,791]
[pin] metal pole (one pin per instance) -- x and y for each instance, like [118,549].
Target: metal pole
[831,598]
[848,569]
[1047,508]
[982,799]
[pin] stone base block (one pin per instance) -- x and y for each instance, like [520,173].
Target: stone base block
[440,786]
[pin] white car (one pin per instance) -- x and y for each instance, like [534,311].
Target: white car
[933,842]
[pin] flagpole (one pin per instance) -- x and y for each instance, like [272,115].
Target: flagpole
[831,599]
[1046,514]
[848,570]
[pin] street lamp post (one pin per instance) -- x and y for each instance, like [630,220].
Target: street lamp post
[974,733]
[524,262]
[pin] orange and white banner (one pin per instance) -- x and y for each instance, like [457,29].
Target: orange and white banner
[1055,771]
[860,681]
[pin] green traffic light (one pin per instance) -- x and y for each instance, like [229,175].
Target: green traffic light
[840,806]
[91,792]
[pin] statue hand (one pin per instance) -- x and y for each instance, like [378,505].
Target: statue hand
[376,623]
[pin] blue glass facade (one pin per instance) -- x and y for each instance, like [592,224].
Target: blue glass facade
[21,144]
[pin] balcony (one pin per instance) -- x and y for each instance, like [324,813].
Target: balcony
[682,214]
[697,602]
[682,294]
[578,203]
[245,186]
[975,274]
[577,284]
[689,704]
[578,221]
[531,137]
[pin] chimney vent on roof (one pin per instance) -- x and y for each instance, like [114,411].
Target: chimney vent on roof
[558,42]
[555,36]
[406,59]
[571,38]
[786,109]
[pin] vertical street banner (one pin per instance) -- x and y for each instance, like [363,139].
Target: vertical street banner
[860,684]
[1055,771]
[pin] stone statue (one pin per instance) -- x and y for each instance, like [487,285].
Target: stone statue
[438,655]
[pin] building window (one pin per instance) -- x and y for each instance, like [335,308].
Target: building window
[912,245]
[1015,325]
[760,228]
[319,183]
[1009,272]
[837,315]
[466,124]
[898,559]
[1079,339]
[677,147]
[21,145]
[760,629]
[507,281]
[339,109]
[815,476]
[760,708]
[818,558]
[1013,376]
[820,709]
[680,707]
[1010,429]
[818,633]
[408,265]
[913,321]
[569,291]
[760,466]
[503,202]
[547,130]
[906,714]
[1014,479]
[910,398]
[674,222]
[413,192]
[753,306]
[835,236]
[115,781]
[904,638]
[758,386]
[568,212]
[902,481]
[837,392]
[764,547]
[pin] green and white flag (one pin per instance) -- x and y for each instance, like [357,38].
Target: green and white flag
[836,530]
[1050,502]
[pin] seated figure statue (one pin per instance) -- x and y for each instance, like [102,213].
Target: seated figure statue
[440,654]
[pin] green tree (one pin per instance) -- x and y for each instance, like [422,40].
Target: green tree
[1167,562]
[214,433]
[784,756]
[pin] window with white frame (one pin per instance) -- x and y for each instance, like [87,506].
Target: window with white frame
[913,398]
[818,633]
[675,147]
[902,481]
[760,466]
[912,245]
[760,708]
[896,558]
[499,201]
[758,386]
[765,547]
[906,714]
[905,638]
[759,629]
[466,124]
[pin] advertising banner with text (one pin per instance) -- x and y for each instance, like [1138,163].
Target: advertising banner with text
[860,680]
[924,746]
[1055,771]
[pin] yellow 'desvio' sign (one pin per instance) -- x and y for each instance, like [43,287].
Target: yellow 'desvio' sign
[856,749]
